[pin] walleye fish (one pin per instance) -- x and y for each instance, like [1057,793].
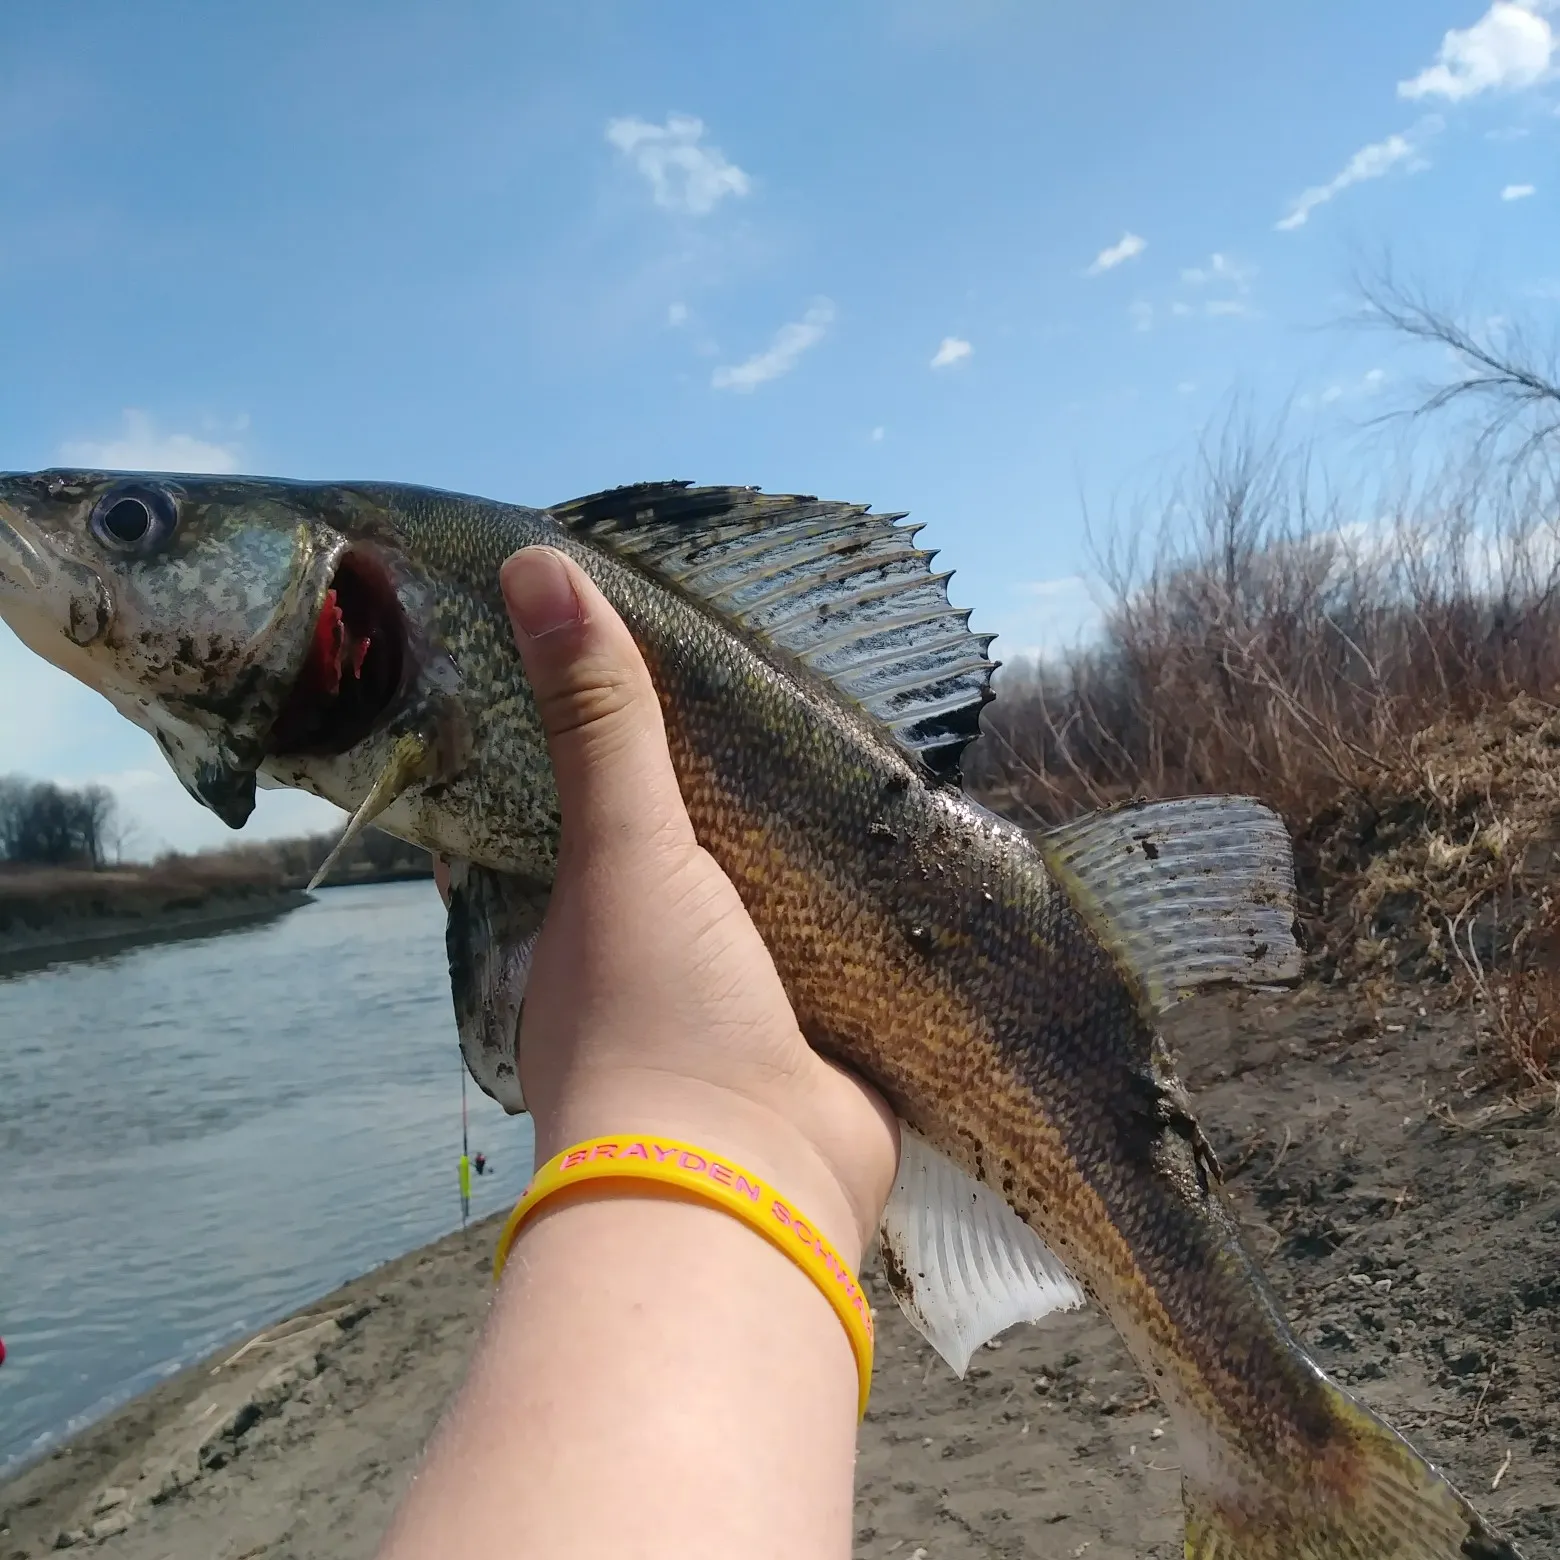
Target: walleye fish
[999,987]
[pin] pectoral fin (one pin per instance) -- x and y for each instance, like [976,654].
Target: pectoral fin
[962,1265]
[492,930]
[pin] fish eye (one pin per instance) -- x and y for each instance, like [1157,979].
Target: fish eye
[134,518]
[127,520]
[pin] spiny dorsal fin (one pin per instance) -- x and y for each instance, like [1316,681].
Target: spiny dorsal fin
[1186,894]
[848,593]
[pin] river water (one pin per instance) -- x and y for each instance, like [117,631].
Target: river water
[198,1138]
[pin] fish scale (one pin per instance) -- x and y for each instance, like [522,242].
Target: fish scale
[999,988]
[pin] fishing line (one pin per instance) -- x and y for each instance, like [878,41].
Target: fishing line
[465,1149]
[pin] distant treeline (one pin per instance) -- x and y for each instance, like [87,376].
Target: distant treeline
[47,825]
[372,857]
[43,824]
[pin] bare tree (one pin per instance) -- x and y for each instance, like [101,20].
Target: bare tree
[1502,369]
[44,824]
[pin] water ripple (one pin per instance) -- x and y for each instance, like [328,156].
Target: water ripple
[198,1138]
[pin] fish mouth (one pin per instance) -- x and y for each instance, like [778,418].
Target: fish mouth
[55,604]
[22,566]
[356,665]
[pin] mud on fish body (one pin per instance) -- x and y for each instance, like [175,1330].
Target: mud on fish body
[999,987]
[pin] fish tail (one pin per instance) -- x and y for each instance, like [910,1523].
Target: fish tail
[1373,1498]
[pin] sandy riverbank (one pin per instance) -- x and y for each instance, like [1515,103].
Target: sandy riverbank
[1417,1250]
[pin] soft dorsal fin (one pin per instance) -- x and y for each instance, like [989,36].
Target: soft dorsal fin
[847,593]
[1187,894]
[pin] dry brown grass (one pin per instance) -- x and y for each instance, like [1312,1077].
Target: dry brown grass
[32,898]
[372,856]
[1523,1005]
[1391,688]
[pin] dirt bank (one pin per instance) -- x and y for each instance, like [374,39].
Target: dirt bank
[1413,1233]
[53,913]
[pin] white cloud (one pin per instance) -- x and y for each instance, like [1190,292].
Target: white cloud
[782,354]
[1225,274]
[1516,192]
[1128,247]
[1186,387]
[1507,49]
[877,435]
[677,314]
[1220,269]
[1142,315]
[954,349]
[683,175]
[1045,590]
[1370,162]
[139,446]
[1369,383]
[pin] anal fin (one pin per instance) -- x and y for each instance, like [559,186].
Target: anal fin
[962,1265]
[493,925]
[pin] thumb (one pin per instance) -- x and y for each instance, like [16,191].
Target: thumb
[598,706]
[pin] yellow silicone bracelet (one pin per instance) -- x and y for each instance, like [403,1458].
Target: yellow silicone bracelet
[722,1184]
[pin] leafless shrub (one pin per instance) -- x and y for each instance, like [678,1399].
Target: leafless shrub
[1520,999]
[293,862]
[1269,642]
[1352,666]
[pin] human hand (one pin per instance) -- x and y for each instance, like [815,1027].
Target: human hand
[652,1003]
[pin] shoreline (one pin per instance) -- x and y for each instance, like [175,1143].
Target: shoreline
[87,937]
[188,1424]
[1374,1214]
[65,934]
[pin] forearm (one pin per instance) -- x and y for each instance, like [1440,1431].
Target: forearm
[656,1380]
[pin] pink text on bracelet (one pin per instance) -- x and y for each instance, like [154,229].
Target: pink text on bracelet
[695,1163]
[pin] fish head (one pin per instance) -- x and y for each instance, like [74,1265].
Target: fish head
[189,602]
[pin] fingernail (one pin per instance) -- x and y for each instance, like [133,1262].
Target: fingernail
[540,593]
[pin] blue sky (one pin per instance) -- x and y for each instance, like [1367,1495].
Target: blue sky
[990,261]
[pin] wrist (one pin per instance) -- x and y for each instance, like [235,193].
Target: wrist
[748,1134]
